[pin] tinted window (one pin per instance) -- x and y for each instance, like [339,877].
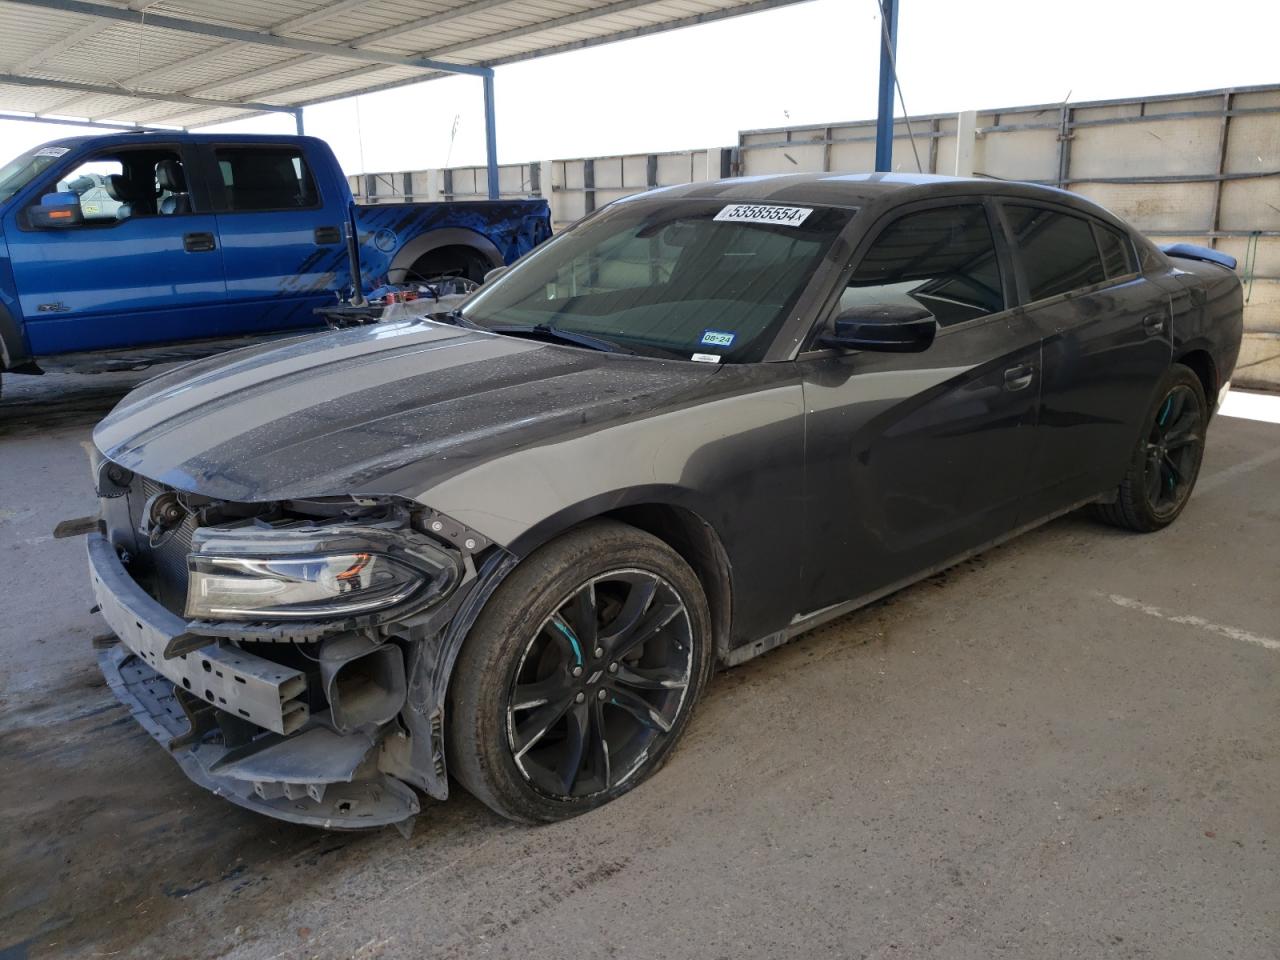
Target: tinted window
[265,178]
[942,259]
[1117,253]
[1058,251]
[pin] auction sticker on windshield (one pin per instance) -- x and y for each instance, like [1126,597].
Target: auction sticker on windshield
[763,213]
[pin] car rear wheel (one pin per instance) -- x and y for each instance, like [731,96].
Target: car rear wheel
[1166,461]
[580,674]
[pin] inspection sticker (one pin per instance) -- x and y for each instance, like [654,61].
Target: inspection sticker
[764,213]
[705,358]
[717,338]
[51,151]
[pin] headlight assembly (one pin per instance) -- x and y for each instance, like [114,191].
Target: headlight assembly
[313,574]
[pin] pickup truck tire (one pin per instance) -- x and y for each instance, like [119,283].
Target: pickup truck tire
[579,675]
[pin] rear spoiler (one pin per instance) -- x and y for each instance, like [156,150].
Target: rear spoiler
[1190,251]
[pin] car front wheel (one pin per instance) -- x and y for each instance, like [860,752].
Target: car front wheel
[580,674]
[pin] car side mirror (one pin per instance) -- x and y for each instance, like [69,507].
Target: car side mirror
[56,210]
[886,327]
[494,274]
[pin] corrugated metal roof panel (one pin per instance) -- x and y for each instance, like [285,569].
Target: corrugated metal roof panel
[136,64]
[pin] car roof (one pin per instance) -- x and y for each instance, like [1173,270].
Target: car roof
[857,189]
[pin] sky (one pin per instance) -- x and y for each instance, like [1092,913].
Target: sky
[811,63]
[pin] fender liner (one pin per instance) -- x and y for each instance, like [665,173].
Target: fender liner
[416,248]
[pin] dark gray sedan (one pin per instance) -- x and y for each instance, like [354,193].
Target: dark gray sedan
[512,543]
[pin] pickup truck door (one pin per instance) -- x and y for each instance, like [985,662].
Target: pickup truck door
[282,236]
[143,268]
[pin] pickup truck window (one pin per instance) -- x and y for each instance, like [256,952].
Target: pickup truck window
[265,178]
[119,185]
[90,182]
[24,168]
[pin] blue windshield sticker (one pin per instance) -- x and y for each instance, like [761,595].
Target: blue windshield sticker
[717,338]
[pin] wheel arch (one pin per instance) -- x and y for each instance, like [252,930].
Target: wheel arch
[433,240]
[672,515]
[1199,360]
[14,353]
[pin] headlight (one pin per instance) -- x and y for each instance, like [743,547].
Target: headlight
[302,574]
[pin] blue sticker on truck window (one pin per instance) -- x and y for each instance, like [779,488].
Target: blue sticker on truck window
[717,338]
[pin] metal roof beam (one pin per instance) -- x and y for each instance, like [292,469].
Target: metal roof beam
[226,49]
[435,19]
[68,122]
[445,16]
[693,20]
[219,31]
[542,26]
[57,48]
[98,88]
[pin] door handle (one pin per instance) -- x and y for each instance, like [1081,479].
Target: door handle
[198,242]
[1019,377]
[1153,324]
[327,235]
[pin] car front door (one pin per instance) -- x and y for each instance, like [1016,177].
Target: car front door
[1107,343]
[141,267]
[282,238]
[912,459]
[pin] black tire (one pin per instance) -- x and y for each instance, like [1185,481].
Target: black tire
[603,566]
[1166,459]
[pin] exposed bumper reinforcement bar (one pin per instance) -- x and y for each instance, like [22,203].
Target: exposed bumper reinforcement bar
[303,771]
[316,777]
[244,685]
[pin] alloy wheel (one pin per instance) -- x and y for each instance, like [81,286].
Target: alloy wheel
[600,685]
[1174,448]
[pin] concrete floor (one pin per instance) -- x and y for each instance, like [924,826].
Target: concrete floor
[1067,747]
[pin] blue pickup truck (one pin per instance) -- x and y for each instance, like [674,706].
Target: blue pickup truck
[124,250]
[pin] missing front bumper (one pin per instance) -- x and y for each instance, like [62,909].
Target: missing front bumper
[315,777]
[302,769]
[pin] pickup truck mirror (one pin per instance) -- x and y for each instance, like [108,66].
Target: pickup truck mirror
[886,327]
[56,210]
[495,273]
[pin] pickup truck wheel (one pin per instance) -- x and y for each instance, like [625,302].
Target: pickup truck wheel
[459,261]
[580,674]
[1166,460]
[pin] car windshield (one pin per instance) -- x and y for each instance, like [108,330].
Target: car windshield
[22,169]
[667,278]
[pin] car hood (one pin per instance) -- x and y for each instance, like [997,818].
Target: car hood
[381,409]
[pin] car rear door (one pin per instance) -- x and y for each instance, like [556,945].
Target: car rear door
[1107,343]
[915,458]
[282,238]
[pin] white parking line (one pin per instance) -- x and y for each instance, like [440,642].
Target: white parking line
[1235,633]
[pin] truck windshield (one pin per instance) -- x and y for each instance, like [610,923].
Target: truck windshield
[22,169]
[693,279]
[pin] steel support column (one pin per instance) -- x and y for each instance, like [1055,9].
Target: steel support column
[884,114]
[297,122]
[490,136]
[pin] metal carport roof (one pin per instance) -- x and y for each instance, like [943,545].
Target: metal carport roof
[191,63]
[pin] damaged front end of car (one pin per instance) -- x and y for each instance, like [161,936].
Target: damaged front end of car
[292,656]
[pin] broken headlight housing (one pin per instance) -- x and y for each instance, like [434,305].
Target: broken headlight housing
[256,573]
